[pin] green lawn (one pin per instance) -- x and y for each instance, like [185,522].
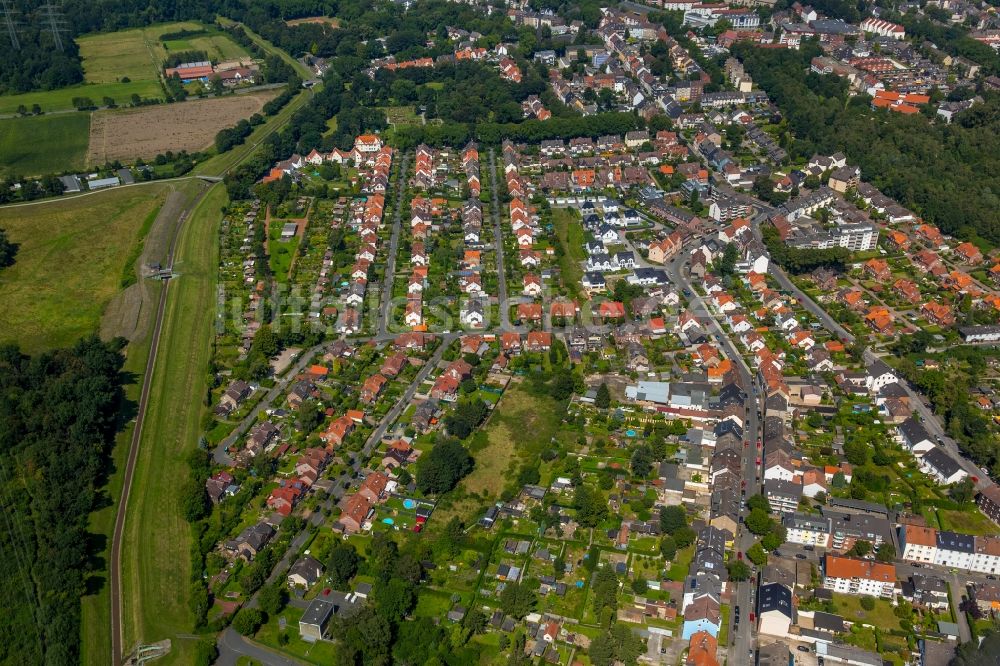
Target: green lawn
[321,652]
[57,100]
[569,231]
[70,262]
[37,145]
[967,522]
[156,561]
[849,606]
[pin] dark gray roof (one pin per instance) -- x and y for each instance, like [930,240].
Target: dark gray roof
[964,543]
[914,432]
[775,597]
[942,462]
[828,622]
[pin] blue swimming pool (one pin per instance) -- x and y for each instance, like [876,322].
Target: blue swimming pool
[409,504]
[388,521]
[630,432]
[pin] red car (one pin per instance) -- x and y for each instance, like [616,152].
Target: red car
[746,444]
[758,461]
[739,555]
[759,447]
[752,617]
[743,484]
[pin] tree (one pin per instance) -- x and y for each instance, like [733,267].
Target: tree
[310,416]
[759,502]
[517,600]
[668,547]
[672,518]
[868,603]
[860,548]
[342,564]
[684,536]
[442,468]
[772,541]
[603,398]
[8,250]
[194,500]
[886,552]
[839,480]
[758,522]
[642,461]
[394,599]
[963,491]
[727,264]
[590,506]
[738,570]
[617,645]
[247,621]
[273,598]
[466,417]
[756,554]
[605,590]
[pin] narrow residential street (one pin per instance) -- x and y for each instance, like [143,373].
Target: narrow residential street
[385,301]
[502,297]
[230,644]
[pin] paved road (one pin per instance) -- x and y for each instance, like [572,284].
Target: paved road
[390,269]
[231,645]
[505,304]
[221,452]
[114,571]
[917,400]
[742,641]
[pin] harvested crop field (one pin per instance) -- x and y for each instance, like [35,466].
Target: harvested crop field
[148,131]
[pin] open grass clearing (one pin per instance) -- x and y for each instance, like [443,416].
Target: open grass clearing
[967,522]
[569,231]
[849,606]
[36,145]
[70,262]
[156,562]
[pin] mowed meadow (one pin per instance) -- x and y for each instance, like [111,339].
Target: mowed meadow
[43,144]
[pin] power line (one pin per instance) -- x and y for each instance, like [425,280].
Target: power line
[57,23]
[8,19]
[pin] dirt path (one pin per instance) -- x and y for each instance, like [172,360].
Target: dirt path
[130,312]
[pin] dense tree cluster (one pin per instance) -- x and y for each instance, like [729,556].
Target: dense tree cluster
[59,412]
[798,260]
[894,151]
[466,417]
[442,468]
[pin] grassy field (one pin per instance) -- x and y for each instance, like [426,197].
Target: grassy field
[43,144]
[70,263]
[218,45]
[156,559]
[569,231]
[135,55]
